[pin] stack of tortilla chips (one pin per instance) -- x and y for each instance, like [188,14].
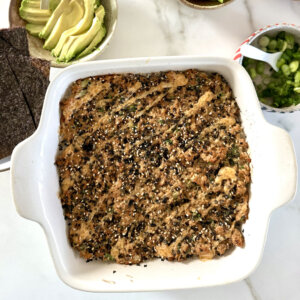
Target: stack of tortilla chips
[23,84]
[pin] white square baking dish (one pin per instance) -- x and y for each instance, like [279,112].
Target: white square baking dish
[35,186]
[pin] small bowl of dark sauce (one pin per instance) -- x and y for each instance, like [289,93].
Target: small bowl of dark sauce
[206,4]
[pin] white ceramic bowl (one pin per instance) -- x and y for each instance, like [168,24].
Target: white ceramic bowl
[271,30]
[35,187]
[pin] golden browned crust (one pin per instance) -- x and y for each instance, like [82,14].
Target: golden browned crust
[153,165]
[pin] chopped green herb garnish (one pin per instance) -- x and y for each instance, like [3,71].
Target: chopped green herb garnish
[282,88]
[264,41]
[233,152]
[169,142]
[101,109]
[131,108]
[196,216]
[109,257]
[84,83]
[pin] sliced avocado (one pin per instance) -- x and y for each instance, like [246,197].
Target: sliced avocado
[34,29]
[34,15]
[96,4]
[54,35]
[82,26]
[94,43]
[34,12]
[31,4]
[36,20]
[66,47]
[66,20]
[76,44]
[53,4]
[32,1]
[80,42]
[100,13]
[63,7]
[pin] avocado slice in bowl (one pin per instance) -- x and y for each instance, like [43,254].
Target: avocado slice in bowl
[31,3]
[66,20]
[77,44]
[65,6]
[95,48]
[94,43]
[34,29]
[83,25]
[53,4]
[33,14]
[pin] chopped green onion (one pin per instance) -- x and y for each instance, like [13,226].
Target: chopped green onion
[266,80]
[296,55]
[286,70]
[264,41]
[260,67]
[169,142]
[286,57]
[252,73]
[282,88]
[289,52]
[297,77]
[246,62]
[280,62]
[272,45]
[290,40]
[281,35]
[297,90]
[294,65]
[282,45]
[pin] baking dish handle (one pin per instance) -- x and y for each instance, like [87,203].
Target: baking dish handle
[285,163]
[24,179]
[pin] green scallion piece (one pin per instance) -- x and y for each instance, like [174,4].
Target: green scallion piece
[286,70]
[264,41]
[294,65]
[282,88]
[260,67]
[281,45]
[297,77]
[290,40]
[252,72]
[280,62]
[272,45]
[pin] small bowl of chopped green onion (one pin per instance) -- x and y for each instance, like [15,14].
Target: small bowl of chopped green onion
[277,91]
[205,4]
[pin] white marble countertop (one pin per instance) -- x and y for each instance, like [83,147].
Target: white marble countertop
[152,28]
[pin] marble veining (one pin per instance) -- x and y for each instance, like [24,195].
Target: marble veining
[171,30]
[250,18]
[252,289]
